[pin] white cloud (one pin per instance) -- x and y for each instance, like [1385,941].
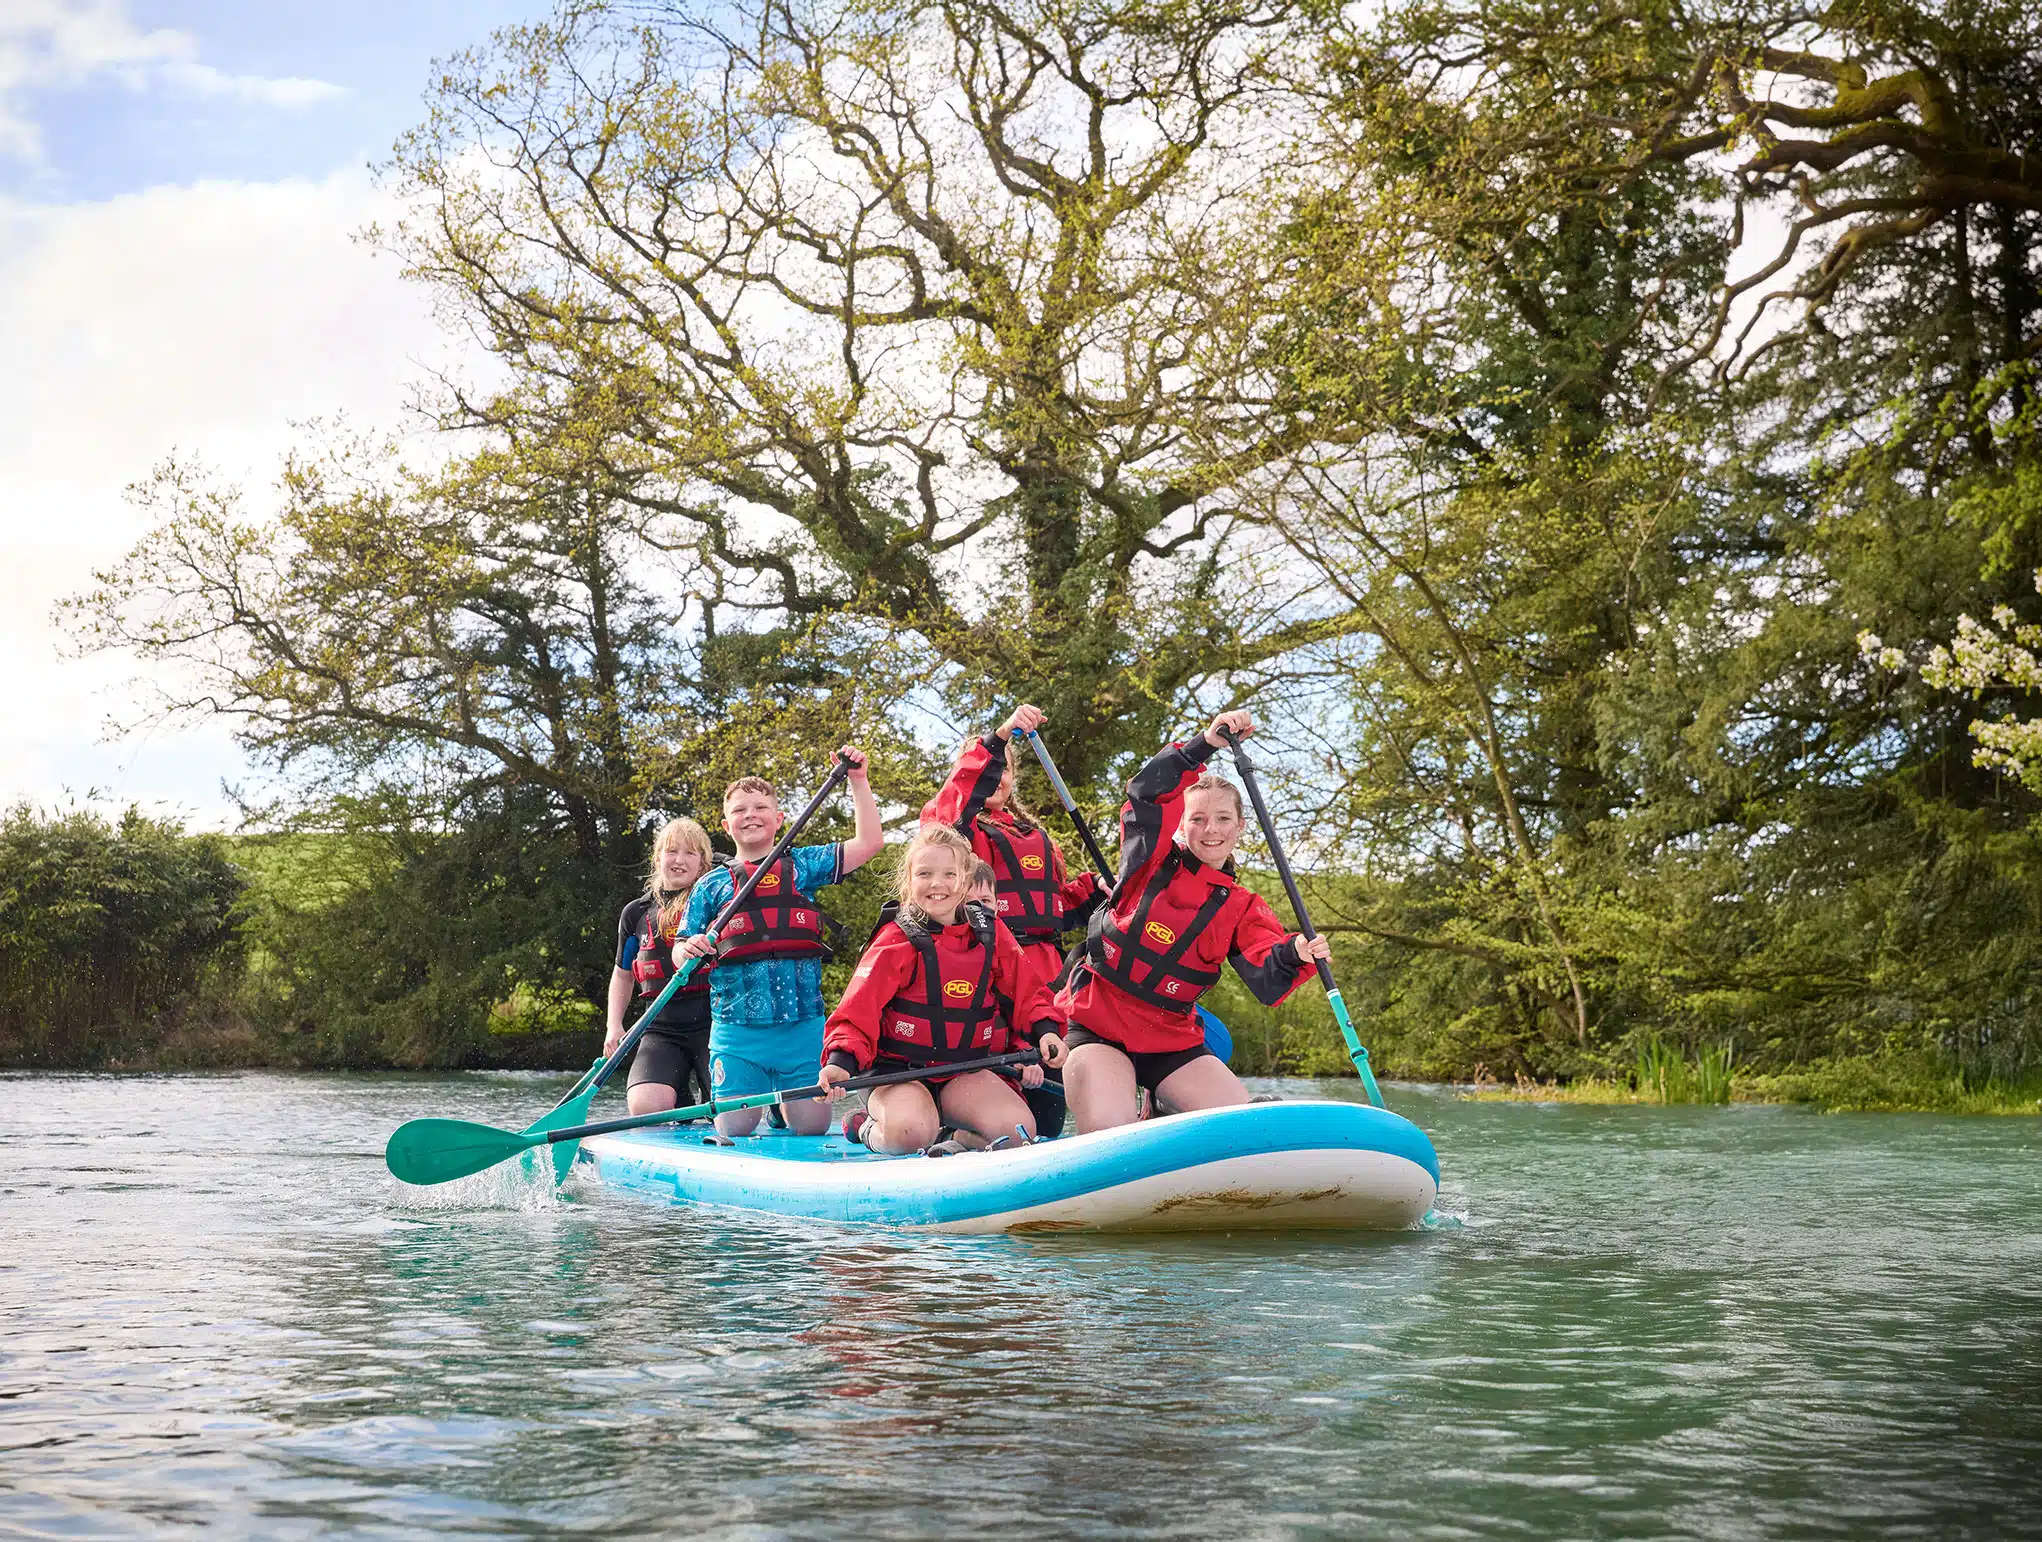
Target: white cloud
[205,319]
[50,45]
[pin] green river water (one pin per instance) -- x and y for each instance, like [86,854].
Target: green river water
[219,1315]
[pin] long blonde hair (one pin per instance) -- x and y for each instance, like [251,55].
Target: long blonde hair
[945,836]
[671,902]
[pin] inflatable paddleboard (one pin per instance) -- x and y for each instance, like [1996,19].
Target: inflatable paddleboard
[1265,1166]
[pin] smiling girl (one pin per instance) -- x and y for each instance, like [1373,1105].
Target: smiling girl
[1175,915]
[939,983]
[674,1054]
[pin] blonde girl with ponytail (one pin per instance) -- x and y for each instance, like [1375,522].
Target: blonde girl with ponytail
[671,1063]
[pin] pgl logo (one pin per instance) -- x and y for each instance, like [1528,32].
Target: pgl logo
[770,884]
[957,989]
[1156,931]
[1031,863]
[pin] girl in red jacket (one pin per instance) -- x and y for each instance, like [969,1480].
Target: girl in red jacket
[939,983]
[1174,917]
[1037,899]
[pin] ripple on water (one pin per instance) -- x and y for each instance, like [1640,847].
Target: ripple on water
[222,1313]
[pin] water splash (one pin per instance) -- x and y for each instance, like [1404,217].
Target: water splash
[520,1185]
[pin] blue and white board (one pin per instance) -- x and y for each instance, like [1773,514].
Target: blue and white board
[1266,1166]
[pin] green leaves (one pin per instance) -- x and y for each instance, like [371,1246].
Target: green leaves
[105,927]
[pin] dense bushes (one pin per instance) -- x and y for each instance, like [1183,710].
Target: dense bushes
[413,948]
[106,929]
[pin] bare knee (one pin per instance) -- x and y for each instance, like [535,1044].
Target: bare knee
[896,1130]
[649,1098]
[1205,1083]
[810,1116]
[738,1122]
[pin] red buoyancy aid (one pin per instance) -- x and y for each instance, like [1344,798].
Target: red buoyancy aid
[1145,956]
[653,964]
[1027,879]
[776,920]
[946,1011]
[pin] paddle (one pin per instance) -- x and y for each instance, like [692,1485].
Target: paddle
[1355,1051]
[426,1151]
[1063,795]
[573,1108]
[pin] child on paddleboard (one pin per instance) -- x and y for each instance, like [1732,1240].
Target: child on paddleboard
[933,987]
[1045,1099]
[1175,915]
[671,1064]
[765,995]
[1035,896]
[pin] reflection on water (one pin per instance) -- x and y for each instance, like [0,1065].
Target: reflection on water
[222,1315]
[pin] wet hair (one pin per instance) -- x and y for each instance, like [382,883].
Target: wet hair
[982,875]
[676,832]
[1210,783]
[752,784]
[945,836]
[1013,808]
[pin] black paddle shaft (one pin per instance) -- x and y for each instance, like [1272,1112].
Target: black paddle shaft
[797,1094]
[830,784]
[1070,804]
[1290,884]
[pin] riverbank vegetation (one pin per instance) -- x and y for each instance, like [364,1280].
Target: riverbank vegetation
[1599,443]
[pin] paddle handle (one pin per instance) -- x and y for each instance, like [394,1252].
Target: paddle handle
[603,1069]
[1063,796]
[717,1106]
[1355,1051]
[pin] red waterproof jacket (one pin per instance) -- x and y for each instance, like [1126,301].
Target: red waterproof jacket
[891,1012]
[1169,925]
[1033,893]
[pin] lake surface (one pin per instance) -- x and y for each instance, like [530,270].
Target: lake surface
[220,1315]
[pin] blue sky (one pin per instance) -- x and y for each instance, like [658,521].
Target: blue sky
[156,120]
[181,187]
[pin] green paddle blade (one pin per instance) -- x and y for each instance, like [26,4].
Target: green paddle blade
[440,1150]
[574,1111]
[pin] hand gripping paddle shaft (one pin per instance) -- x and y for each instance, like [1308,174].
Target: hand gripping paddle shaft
[1355,1051]
[440,1150]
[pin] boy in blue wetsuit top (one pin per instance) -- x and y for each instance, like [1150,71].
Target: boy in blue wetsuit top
[765,997]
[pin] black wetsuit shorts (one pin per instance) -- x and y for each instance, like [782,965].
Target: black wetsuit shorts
[1151,1067]
[679,1060]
